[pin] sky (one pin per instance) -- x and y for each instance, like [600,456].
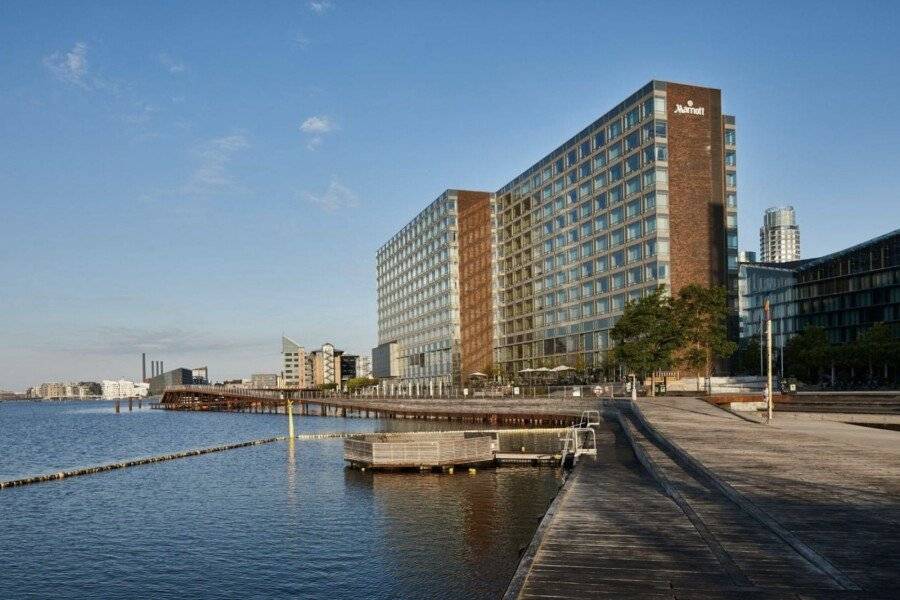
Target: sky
[193,180]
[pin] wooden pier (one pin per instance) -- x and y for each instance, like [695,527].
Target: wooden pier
[737,511]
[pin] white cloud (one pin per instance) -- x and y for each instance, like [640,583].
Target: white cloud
[320,7]
[316,127]
[317,124]
[214,156]
[336,197]
[172,65]
[71,67]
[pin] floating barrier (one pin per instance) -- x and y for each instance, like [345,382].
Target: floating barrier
[133,463]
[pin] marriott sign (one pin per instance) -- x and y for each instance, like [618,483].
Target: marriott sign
[690,109]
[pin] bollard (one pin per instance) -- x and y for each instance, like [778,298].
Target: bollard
[130,403]
[117,406]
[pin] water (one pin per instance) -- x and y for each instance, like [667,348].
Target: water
[268,521]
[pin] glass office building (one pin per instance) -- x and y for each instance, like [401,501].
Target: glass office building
[645,196]
[424,312]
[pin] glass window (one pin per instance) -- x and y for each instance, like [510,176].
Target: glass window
[633,253]
[558,166]
[615,129]
[662,176]
[647,108]
[585,148]
[600,159]
[588,309]
[732,240]
[615,151]
[633,208]
[601,243]
[587,248]
[571,158]
[659,104]
[601,264]
[615,194]
[600,180]
[730,178]
[584,190]
[660,129]
[599,139]
[600,223]
[558,185]
[647,132]
[632,117]
[617,237]
[649,155]
[730,158]
[587,289]
[586,229]
[584,170]
[585,209]
[617,259]
[546,174]
[571,177]
[633,163]
[615,172]
[633,185]
[632,141]
[602,306]
[730,137]
[633,230]
[615,216]
[662,152]
[650,247]
[587,269]
[650,224]
[650,272]
[649,178]
[731,220]
[731,199]
[617,281]
[634,275]
[600,201]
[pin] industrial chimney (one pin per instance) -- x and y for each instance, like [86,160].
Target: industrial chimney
[144,366]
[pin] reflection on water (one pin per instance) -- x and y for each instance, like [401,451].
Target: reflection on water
[279,520]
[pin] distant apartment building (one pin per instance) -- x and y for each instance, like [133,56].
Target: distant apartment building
[200,375]
[264,381]
[844,292]
[436,292]
[326,365]
[302,369]
[294,371]
[122,388]
[779,237]
[58,390]
[363,366]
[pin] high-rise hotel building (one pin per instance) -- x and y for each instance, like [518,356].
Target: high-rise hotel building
[644,196]
[437,293]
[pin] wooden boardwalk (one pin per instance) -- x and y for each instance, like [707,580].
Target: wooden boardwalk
[662,529]
[836,487]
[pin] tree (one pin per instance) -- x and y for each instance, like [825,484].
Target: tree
[877,346]
[357,383]
[807,353]
[647,336]
[701,314]
[748,356]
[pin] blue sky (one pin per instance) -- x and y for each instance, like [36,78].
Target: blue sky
[193,179]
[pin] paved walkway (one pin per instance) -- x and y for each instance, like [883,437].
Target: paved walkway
[834,486]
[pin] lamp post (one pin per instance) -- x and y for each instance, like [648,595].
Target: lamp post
[769,358]
[633,387]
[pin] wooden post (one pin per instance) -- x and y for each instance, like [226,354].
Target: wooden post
[290,416]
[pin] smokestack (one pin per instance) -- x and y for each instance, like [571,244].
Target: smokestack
[153,368]
[143,366]
[161,369]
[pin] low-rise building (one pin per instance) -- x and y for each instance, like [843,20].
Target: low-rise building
[180,376]
[263,381]
[844,293]
[122,388]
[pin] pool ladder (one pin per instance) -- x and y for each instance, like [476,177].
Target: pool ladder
[577,434]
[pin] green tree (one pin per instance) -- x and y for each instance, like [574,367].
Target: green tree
[701,314]
[806,354]
[647,336]
[877,346]
[747,356]
[357,383]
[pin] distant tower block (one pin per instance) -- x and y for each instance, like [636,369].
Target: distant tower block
[779,237]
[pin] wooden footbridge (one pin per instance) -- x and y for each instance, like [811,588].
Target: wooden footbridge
[516,411]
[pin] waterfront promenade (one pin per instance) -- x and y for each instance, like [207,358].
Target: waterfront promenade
[686,500]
